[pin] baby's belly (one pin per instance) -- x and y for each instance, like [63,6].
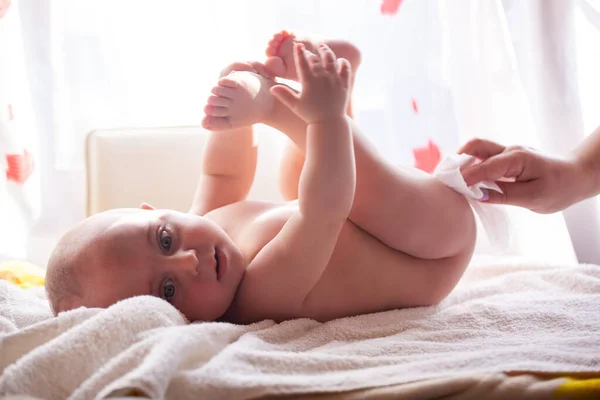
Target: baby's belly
[363,276]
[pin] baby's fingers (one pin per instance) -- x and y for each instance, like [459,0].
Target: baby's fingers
[344,70]
[306,62]
[327,57]
[302,65]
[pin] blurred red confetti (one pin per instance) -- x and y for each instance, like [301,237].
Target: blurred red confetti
[19,167]
[11,115]
[390,7]
[427,158]
[415,106]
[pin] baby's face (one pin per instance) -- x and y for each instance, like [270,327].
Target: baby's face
[185,259]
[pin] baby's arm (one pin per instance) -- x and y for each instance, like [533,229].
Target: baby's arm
[284,272]
[228,167]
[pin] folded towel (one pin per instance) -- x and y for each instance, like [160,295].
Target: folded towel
[20,308]
[502,317]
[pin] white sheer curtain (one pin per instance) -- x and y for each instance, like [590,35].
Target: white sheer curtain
[558,58]
[491,102]
[19,189]
[438,69]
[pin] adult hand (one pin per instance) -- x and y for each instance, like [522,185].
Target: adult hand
[539,182]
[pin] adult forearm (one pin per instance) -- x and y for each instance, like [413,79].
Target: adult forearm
[587,156]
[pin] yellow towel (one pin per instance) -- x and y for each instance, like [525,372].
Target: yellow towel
[22,273]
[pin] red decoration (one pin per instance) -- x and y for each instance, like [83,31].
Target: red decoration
[427,158]
[415,106]
[390,7]
[20,167]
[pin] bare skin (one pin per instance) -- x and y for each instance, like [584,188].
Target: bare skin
[364,236]
[541,182]
[410,269]
[280,62]
[401,194]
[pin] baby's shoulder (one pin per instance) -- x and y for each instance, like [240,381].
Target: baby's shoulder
[252,224]
[244,213]
[242,209]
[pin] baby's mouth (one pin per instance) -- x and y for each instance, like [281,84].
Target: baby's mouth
[221,265]
[216,265]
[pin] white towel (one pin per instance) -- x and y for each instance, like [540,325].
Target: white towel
[21,308]
[493,218]
[501,317]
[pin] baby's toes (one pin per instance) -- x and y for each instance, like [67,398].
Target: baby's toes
[216,111]
[218,101]
[216,123]
[274,44]
[222,91]
[229,83]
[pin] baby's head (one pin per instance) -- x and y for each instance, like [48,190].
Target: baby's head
[185,259]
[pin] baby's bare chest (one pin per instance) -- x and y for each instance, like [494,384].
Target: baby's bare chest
[358,264]
[262,226]
[253,224]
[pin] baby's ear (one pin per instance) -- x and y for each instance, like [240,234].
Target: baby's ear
[146,206]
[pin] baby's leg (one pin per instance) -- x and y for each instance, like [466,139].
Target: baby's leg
[406,209]
[240,99]
[280,62]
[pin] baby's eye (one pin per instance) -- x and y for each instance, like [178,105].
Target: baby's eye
[168,290]
[165,240]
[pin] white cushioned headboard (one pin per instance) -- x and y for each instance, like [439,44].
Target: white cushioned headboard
[161,166]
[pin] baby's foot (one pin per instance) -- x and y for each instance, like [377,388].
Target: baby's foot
[239,99]
[280,53]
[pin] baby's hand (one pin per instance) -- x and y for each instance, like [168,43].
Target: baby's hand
[325,85]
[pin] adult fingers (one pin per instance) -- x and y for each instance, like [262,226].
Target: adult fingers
[522,194]
[481,148]
[505,165]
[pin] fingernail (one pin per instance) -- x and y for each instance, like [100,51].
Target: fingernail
[486,195]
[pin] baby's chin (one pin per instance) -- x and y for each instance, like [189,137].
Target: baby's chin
[199,312]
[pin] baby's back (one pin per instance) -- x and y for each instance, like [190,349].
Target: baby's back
[363,274]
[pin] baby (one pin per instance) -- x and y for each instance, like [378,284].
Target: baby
[358,235]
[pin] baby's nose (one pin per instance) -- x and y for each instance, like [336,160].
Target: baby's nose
[199,265]
[189,261]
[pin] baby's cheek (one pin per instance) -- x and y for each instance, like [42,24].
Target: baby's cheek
[200,303]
